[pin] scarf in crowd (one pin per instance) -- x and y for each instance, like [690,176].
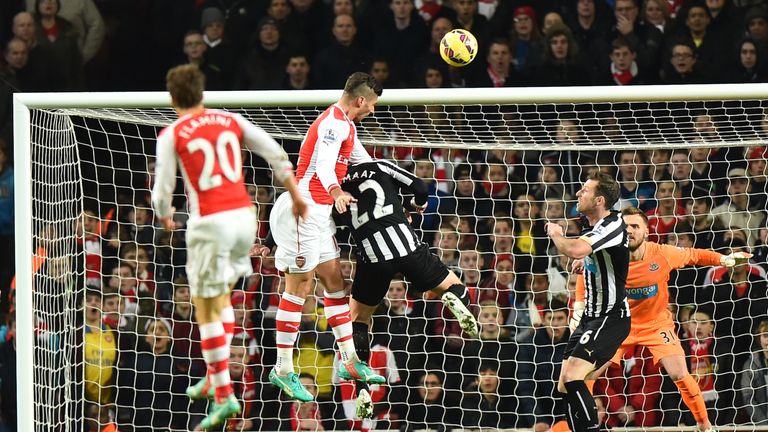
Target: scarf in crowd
[624,77]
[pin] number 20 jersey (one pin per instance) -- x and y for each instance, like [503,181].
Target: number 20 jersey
[207,146]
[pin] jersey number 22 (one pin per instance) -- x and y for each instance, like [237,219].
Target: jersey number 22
[379,209]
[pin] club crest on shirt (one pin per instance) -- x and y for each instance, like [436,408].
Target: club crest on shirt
[653,267]
[300,261]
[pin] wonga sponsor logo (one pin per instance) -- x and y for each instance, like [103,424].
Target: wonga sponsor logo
[642,292]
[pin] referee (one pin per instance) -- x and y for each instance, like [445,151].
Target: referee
[604,249]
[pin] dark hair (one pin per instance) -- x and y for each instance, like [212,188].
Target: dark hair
[606,187]
[489,365]
[185,83]
[308,375]
[556,305]
[632,211]
[621,42]
[359,83]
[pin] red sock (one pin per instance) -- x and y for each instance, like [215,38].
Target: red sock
[215,348]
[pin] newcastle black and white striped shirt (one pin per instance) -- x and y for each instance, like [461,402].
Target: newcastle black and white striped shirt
[378,223]
[605,269]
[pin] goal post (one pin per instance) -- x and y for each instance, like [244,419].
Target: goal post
[53,178]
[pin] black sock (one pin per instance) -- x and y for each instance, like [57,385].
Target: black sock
[362,346]
[582,411]
[461,292]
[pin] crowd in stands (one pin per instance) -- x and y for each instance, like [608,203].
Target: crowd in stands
[138,341]
[139,344]
[69,45]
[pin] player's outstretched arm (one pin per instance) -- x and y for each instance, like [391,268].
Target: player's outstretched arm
[409,182]
[165,179]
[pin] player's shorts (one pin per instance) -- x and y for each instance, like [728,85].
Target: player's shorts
[661,339]
[597,339]
[302,244]
[217,250]
[423,269]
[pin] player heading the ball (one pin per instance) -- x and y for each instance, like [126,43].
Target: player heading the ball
[222,225]
[308,247]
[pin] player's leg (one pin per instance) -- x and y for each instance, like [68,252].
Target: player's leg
[582,411]
[368,290]
[427,272]
[297,255]
[455,297]
[689,389]
[339,317]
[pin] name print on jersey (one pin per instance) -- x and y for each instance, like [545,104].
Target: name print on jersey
[188,129]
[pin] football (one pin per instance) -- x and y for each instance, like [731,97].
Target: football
[458,47]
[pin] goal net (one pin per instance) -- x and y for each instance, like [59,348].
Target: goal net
[103,289]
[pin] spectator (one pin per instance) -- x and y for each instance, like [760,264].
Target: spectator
[194,52]
[753,379]
[58,38]
[726,19]
[263,67]
[711,363]
[500,286]
[526,40]
[645,39]
[381,72]
[220,54]
[99,353]
[297,72]
[482,404]
[7,253]
[447,243]
[738,212]
[624,69]
[756,21]
[539,361]
[658,170]
[656,13]
[467,198]
[432,10]
[495,345]
[529,236]
[306,416]
[667,214]
[562,64]
[431,58]
[634,188]
[429,407]
[33,72]
[551,19]
[245,375]
[591,32]
[186,333]
[682,66]
[738,298]
[468,18]
[401,37]
[316,349]
[344,56]
[153,386]
[709,44]
[89,24]
[750,65]
[288,26]
[499,70]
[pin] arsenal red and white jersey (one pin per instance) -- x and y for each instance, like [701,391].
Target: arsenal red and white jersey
[330,145]
[207,146]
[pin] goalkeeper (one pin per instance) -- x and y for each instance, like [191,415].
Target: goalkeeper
[652,323]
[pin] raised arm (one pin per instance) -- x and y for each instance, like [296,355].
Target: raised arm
[577,248]
[407,181]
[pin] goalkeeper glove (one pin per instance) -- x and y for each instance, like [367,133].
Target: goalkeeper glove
[735,259]
[578,311]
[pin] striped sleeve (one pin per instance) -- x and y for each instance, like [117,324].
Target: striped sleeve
[406,180]
[608,233]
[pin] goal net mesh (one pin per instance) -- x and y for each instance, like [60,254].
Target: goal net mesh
[115,333]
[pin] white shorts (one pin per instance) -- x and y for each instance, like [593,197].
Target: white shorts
[302,244]
[217,250]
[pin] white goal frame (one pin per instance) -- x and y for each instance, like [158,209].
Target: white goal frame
[23,103]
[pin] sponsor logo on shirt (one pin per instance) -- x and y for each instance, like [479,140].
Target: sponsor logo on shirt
[642,292]
[653,267]
[590,265]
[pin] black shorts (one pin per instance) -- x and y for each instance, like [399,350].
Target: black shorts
[423,269]
[597,339]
